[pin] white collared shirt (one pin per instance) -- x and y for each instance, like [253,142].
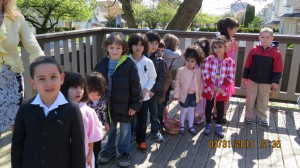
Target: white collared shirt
[60,100]
[147,74]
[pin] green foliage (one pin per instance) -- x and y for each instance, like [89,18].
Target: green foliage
[62,29]
[291,45]
[239,30]
[256,23]
[249,15]
[45,14]
[160,12]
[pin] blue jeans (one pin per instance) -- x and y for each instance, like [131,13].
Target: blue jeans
[153,109]
[124,145]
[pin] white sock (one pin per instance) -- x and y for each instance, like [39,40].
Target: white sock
[182,116]
[191,115]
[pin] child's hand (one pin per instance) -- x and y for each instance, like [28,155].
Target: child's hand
[144,92]
[151,93]
[274,86]
[131,112]
[245,81]
[175,98]
[220,90]
[106,127]
[89,159]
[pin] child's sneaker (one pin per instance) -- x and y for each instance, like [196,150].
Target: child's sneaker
[192,131]
[124,160]
[263,122]
[143,147]
[207,129]
[219,131]
[247,120]
[105,156]
[158,137]
[181,130]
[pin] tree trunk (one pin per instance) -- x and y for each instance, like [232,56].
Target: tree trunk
[185,15]
[128,14]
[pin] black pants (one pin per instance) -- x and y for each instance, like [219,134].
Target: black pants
[142,122]
[96,150]
[208,109]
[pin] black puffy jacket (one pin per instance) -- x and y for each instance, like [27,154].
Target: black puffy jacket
[160,68]
[125,90]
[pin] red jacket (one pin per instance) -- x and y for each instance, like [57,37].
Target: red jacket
[227,75]
[263,65]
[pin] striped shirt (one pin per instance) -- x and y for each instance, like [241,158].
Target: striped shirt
[111,68]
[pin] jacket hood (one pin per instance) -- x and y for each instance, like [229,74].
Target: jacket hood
[172,54]
[225,55]
[273,44]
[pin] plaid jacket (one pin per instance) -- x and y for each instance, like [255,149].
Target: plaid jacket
[227,75]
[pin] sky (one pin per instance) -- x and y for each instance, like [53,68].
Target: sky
[218,7]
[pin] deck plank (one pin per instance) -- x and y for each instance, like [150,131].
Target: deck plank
[276,155]
[287,152]
[193,151]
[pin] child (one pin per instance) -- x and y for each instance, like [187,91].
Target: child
[156,113]
[97,87]
[48,125]
[161,48]
[138,47]
[75,89]
[218,74]
[172,57]
[188,86]
[262,71]
[203,44]
[228,27]
[162,108]
[124,96]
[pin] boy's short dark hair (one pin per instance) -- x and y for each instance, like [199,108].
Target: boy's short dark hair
[161,44]
[134,40]
[74,79]
[96,82]
[43,60]
[152,36]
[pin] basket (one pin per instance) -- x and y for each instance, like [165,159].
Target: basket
[172,126]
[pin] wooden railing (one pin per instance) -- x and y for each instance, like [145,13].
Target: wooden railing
[80,50]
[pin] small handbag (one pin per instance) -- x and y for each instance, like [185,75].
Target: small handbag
[273,94]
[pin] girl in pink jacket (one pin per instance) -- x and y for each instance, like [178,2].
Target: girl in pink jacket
[188,84]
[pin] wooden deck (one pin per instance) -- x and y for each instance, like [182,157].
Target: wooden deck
[275,146]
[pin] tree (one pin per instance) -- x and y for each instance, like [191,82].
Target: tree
[240,16]
[45,14]
[249,15]
[128,13]
[161,12]
[256,23]
[185,15]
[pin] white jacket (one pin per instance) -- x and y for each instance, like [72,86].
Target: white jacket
[147,74]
